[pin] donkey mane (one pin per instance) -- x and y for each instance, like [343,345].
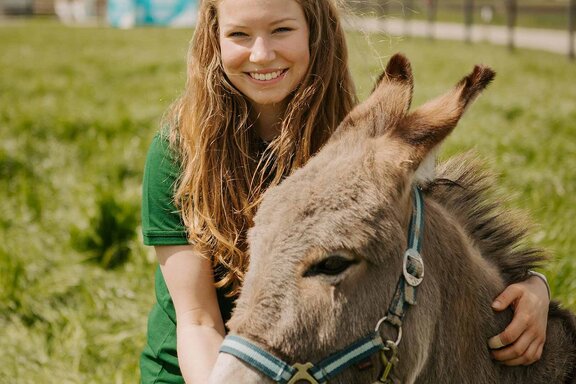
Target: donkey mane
[466,189]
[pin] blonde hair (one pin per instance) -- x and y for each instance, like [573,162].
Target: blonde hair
[223,175]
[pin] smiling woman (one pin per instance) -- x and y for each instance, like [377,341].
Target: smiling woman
[268,82]
[265,52]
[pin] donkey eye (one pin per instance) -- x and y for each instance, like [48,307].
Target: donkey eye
[331,266]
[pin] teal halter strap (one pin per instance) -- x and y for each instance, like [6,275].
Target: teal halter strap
[412,266]
[281,372]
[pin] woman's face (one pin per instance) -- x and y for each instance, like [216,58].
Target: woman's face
[264,47]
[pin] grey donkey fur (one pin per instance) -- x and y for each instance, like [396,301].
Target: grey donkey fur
[347,211]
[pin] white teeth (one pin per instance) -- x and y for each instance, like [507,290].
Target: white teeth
[265,77]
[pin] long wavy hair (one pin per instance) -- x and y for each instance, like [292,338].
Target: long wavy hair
[223,171]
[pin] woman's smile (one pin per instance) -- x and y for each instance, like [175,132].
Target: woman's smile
[264,49]
[268,76]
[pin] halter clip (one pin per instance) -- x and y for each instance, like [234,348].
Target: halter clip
[413,267]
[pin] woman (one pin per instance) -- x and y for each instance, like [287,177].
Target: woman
[267,84]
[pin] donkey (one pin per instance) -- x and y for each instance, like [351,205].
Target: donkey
[348,234]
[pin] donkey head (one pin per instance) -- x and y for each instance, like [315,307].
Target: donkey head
[327,245]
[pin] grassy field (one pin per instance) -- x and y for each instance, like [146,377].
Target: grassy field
[78,108]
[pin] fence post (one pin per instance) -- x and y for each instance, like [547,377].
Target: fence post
[382,14]
[431,7]
[383,8]
[511,12]
[571,27]
[468,19]
[407,16]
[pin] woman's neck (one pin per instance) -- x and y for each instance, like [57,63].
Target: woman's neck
[268,120]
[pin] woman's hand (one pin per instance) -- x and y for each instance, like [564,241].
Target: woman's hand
[521,343]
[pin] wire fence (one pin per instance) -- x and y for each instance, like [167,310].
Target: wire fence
[507,16]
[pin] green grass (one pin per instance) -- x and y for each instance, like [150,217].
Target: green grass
[78,107]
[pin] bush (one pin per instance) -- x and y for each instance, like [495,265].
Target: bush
[110,232]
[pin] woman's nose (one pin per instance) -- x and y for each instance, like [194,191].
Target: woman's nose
[262,51]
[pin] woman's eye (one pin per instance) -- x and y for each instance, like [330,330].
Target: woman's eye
[237,34]
[331,266]
[282,29]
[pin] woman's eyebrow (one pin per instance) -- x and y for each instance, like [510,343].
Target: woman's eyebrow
[234,25]
[283,20]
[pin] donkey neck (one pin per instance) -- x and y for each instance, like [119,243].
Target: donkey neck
[463,283]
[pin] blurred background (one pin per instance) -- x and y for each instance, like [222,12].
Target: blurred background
[531,13]
[540,24]
[83,85]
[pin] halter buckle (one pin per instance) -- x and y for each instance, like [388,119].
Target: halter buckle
[302,374]
[413,267]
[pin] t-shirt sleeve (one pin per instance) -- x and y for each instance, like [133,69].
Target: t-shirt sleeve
[161,221]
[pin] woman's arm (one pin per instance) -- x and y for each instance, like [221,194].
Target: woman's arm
[521,343]
[200,329]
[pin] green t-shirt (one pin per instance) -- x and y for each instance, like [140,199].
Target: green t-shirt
[161,221]
[162,225]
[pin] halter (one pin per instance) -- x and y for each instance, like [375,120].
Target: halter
[405,295]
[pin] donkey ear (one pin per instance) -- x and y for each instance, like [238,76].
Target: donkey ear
[389,102]
[430,124]
[399,71]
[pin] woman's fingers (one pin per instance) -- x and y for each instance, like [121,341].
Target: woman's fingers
[523,340]
[531,355]
[515,350]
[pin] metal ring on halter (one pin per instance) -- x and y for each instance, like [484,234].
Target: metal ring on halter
[379,324]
